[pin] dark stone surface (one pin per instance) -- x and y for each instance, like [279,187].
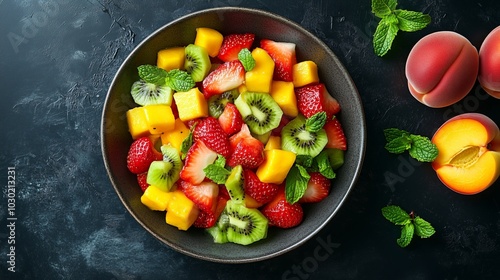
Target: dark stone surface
[57,59]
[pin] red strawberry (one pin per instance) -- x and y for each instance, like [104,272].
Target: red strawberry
[140,155]
[204,195]
[318,188]
[230,120]
[315,98]
[281,213]
[198,157]
[223,192]
[261,192]
[283,55]
[208,219]
[227,76]
[247,151]
[233,44]
[335,134]
[210,132]
[141,179]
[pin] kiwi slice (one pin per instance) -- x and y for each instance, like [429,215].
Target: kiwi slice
[234,184]
[145,93]
[219,230]
[295,138]
[335,156]
[245,225]
[259,111]
[164,173]
[197,62]
[217,103]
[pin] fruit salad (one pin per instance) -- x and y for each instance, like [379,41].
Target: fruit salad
[233,135]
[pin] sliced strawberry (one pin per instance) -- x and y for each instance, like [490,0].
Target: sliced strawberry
[318,188]
[204,195]
[261,192]
[141,179]
[198,157]
[283,55]
[209,219]
[247,151]
[227,76]
[335,134]
[223,192]
[315,98]
[230,120]
[140,155]
[281,213]
[209,131]
[232,44]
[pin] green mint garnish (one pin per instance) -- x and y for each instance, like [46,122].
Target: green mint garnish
[303,160]
[179,80]
[217,171]
[420,147]
[246,59]
[152,74]
[391,21]
[186,144]
[410,224]
[324,165]
[316,122]
[296,183]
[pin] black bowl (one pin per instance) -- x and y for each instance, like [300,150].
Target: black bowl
[115,138]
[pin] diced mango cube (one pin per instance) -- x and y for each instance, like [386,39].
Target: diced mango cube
[305,73]
[191,104]
[171,58]
[242,88]
[283,93]
[181,211]
[160,118]
[274,142]
[276,165]
[260,77]
[137,123]
[210,39]
[156,199]
[176,136]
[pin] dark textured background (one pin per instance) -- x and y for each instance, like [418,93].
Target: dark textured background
[57,59]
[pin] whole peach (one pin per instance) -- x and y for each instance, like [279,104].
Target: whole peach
[442,68]
[489,63]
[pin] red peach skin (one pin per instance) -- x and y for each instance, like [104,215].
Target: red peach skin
[442,68]
[489,63]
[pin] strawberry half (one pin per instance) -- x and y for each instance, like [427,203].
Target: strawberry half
[209,219]
[140,155]
[318,188]
[198,157]
[247,151]
[261,192]
[232,44]
[204,195]
[315,98]
[210,132]
[230,120]
[227,76]
[142,180]
[282,214]
[283,55]
[335,134]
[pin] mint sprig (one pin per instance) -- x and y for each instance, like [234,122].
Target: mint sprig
[179,80]
[296,183]
[391,21]
[246,59]
[217,171]
[420,147]
[316,122]
[410,224]
[152,74]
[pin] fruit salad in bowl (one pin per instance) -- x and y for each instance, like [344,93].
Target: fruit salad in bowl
[232,143]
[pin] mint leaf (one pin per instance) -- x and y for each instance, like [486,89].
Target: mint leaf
[382,8]
[393,133]
[422,149]
[324,166]
[220,161]
[304,160]
[218,174]
[246,59]
[384,35]
[296,183]
[152,74]
[186,144]
[396,215]
[411,21]
[423,228]
[406,235]
[399,145]
[179,80]
[316,122]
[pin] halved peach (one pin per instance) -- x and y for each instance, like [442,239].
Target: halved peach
[489,63]
[469,153]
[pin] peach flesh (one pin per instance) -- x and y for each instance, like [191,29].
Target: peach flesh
[442,68]
[489,63]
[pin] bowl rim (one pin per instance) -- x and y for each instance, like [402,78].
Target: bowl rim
[355,98]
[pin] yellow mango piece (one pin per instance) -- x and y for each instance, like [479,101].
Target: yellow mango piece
[284,94]
[242,88]
[274,142]
[160,118]
[181,211]
[276,165]
[156,199]
[260,77]
[137,123]
[305,73]
[171,58]
[210,39]
[191,104]
[176,136]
